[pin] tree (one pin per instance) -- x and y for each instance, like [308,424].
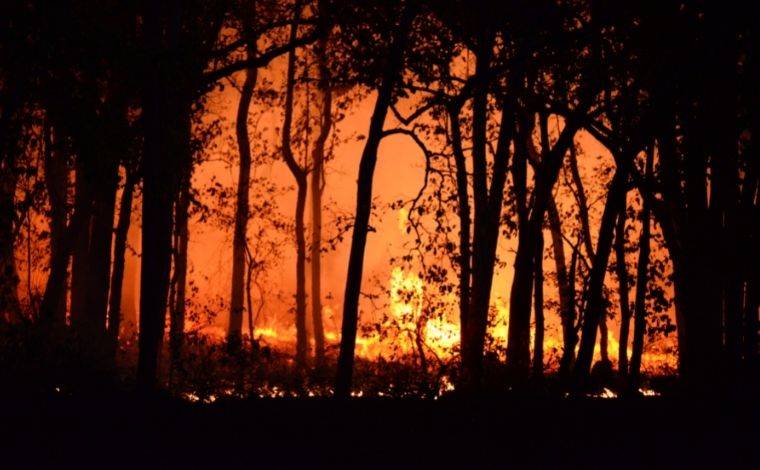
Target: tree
[121,233]
[162,109]
[174,70]
[621,270]
[390,74]
[639,324]
[240,242]
[301,176]
[317,187]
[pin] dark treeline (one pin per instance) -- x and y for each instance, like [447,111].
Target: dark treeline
[101,102]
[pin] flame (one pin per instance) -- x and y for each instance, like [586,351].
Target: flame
[409,329]
[441,336]
[500,327]
[403,220]
[407,296]
[269,333]
[407,300]
[656,358]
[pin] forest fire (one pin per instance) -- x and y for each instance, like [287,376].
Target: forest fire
[379,233]
[406,332]
[406,199]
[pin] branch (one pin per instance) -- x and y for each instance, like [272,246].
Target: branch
[251,37]
[261,60]
[417,113]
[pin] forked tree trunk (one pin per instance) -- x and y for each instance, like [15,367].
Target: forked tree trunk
[487,213]
[518,344]
[566,300]
[588,244]
[594,289]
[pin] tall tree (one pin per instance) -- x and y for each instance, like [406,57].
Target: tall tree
[588,244]
[239,243]
[538,338]
[565,286]
[180,241]
[56,181]
[518,349]
[300,173]
[121,233]
[621,270]
[317,187]
[162,109]
[390,75]
[639,322]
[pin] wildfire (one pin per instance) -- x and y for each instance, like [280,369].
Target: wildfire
[410,329]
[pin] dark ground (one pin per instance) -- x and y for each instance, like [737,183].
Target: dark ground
[120,430]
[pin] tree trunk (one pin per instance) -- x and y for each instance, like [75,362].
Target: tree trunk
[583,216]
[94,326]
[582,203]
[566,300]
[56,182]
[622,275]
[55,287]
[81,245]
[463,212]
[487,214]
[10,308]
[639,321]
[604,338]
[390,75]
[119,250]
[518,344]
[179,281]
[130,284]
[99,257]
[301,336]
[239,243]
[11,105]
[538,339]
[300,174]
[594,289]
[474,328]
[161,110]
[317,183]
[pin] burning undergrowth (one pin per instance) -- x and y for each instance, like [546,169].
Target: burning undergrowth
[210,370]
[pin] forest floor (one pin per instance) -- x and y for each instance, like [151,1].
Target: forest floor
[53,413]
[117,430]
